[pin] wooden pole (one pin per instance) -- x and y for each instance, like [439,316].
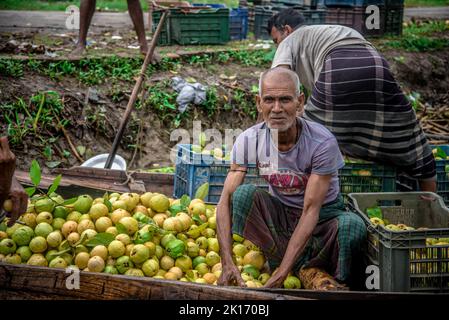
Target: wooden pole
[133,98]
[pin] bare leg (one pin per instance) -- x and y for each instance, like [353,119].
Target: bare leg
[87,9]
[135,11]
[428,185]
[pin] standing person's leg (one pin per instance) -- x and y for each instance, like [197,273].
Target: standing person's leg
[87,9]
[135,11]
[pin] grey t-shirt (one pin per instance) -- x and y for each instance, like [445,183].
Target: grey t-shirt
[287,173]
[305,49]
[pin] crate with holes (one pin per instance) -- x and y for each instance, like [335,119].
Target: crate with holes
[408,239]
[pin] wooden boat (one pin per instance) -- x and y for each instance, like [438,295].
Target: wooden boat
[31,282]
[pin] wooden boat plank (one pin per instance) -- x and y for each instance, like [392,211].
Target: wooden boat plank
[48,282]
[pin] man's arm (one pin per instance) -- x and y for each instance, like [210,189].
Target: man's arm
[7,167]
[230,272]
[9,186]
[316,191]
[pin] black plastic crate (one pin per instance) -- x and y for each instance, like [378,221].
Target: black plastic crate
[261,16]
[353,3]
[314,16]
[394,3]
[408,260]
[356,18]
[393,20]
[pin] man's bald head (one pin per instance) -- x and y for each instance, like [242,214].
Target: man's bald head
[280,75]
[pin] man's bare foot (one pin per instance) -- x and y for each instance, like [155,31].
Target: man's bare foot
[78,51]
[144,49]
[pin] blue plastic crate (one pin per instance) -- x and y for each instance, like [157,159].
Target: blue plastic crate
[195,169]
[238,24]
[353,3]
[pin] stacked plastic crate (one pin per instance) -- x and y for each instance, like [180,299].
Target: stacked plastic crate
[357,15]
[313,10]
[361,15]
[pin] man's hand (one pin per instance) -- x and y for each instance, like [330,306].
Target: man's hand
[230,275]
[19,201]
[7,167]
[276,280]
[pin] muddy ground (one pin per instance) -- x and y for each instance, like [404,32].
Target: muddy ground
[93,112]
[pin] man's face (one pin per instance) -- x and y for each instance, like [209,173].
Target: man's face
[279,103]
[279,35]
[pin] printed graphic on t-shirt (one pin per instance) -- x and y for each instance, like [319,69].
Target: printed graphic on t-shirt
[287,181]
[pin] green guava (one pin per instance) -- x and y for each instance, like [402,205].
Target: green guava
[130,224]
[25,253]
[58,262]
[143,236]
[38,244]
[44,217]
[83,204]
[140,253]
[292,282]
[140,217]
[150,267]
[116,249]
[81,260]
[166,239]
[60,212]
[43,229]
[37,259]
[23,235]
[175,248]
[54,239]
[202,242]
[202,268]
[98,210]
[159,203]
[123,264]
[95,264]
[45,204]
[134,272]
[192,249]
[57,223]
[212,258]
[84,225]
[51,254]
[110,270]
[123,238]
[251,270]
[74,216]
[213,245]
[13,258]
[159,253]
[7,246]
[184,263]
[197,260]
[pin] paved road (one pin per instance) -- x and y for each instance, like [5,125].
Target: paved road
[16,20]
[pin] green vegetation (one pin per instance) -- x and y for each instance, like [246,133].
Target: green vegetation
[421,37]
[104,5]
[35,117]
[426,3]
